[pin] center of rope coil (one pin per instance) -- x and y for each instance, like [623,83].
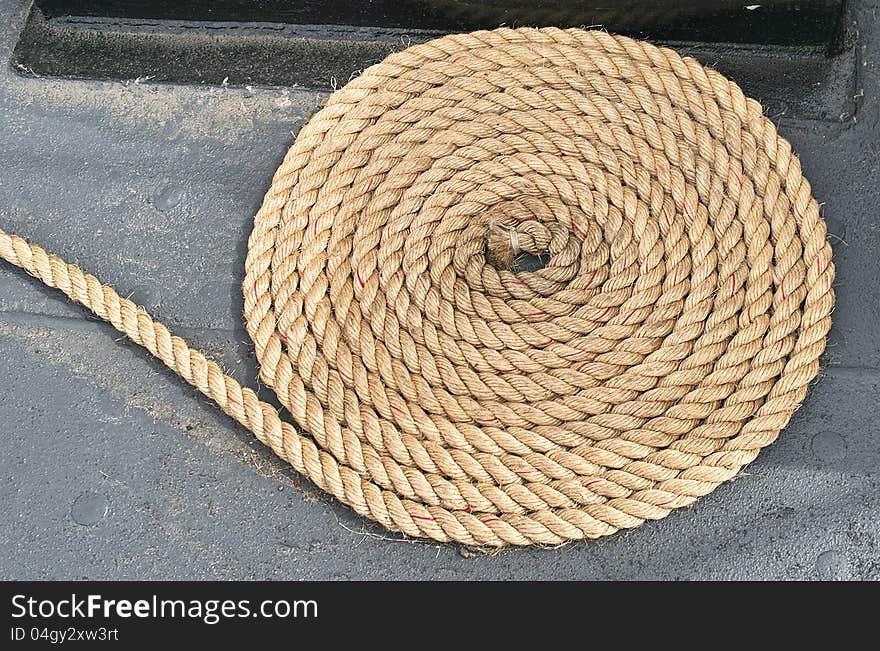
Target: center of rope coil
[526,227]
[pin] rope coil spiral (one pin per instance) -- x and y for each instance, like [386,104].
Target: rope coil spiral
[438,390]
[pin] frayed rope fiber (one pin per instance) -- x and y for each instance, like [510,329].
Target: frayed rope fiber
[675,327]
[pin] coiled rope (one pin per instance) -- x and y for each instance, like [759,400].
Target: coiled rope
[446,395]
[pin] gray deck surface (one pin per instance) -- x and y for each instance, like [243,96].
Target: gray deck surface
[112,468]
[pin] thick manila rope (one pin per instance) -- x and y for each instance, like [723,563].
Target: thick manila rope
[438,391]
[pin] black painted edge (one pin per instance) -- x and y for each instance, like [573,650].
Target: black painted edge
[801,81]
[768,22]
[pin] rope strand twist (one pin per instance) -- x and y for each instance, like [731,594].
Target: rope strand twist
[441,392]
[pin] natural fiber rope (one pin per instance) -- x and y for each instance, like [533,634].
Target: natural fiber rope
[669,338]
